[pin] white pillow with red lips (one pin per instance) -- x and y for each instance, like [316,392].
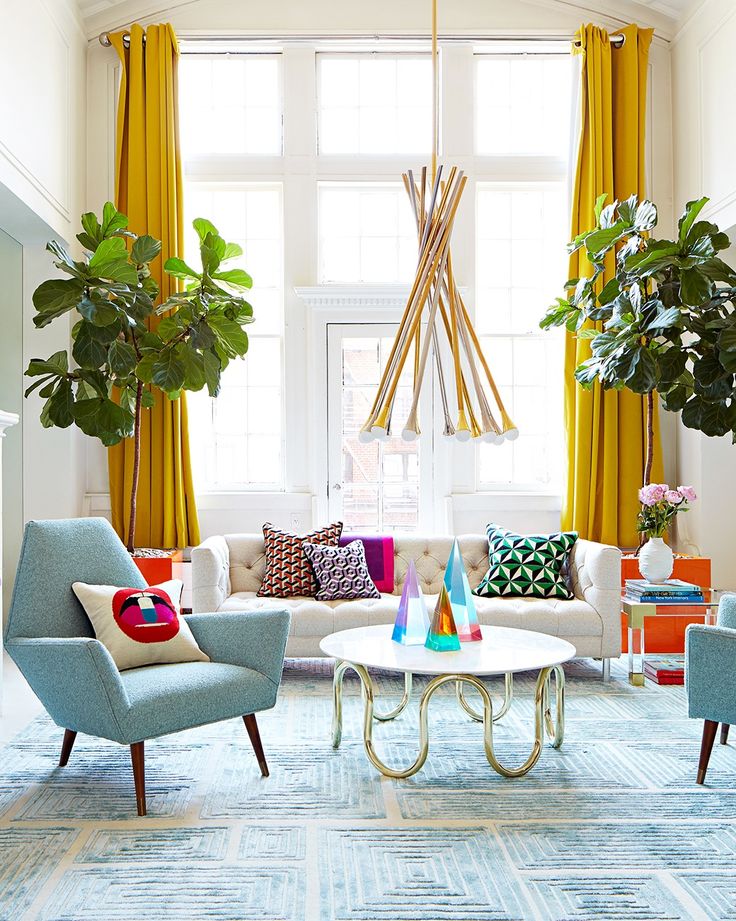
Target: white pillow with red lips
[140,626]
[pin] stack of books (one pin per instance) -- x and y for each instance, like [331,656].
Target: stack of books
[673,591]
[665,669]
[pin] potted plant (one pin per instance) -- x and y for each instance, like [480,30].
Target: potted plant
[120,354]
[659,506]
[665,321]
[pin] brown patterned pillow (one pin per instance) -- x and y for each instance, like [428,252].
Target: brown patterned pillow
[288,571]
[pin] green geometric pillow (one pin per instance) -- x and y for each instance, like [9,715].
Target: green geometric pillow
[531,565]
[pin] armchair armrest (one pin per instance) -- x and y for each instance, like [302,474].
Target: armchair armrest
[710,673]
[210,574]
[595,570]
[253,639]
[76,680]
[727,611]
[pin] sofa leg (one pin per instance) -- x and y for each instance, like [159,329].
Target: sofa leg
[66,746]
[724,733]
[139,775]
[606,672]
[255,740]
[709,736]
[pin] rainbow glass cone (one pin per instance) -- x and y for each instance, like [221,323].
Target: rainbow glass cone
[461,598]
[442,636]
[412,621]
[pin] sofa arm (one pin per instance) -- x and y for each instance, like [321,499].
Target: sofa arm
[210,574]
[595,570]
[76,680]
[253,639]
[710,673]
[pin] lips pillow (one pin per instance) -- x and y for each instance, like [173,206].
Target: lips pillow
[140,626]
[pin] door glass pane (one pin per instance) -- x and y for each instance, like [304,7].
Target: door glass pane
[380,480]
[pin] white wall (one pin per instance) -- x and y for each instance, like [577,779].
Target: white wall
[704,134]
[42,167]
[465,511]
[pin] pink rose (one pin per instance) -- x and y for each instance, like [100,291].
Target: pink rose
[673,497]
[651,494]
[687,492]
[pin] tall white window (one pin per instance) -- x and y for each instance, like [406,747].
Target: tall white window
[231,105]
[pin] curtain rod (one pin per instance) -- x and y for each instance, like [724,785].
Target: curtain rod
[616,40]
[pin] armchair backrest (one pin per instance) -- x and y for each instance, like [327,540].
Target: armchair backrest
[727,611]
[53,556]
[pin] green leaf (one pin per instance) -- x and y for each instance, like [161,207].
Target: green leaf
[727,339]
[212,250]
[112,220]
[104,419]
[212,372]
[58,409]
[627,209]
[58,363]
[148,400]
[598,207]
[232,337]
[204,227]
[179,269]
[145,249]
[238,278]
[193,362]
[98,309]
[692,210]
[168,371]
[231,251]
[55,297]
[88,351]
[695,288]
[168,328]
[601,240]
[121,358]
[713,419]
[110,260]
[201,336]
[646,216]
[671,363]
[92,229]
[728,361]
[664,319]
[60,254]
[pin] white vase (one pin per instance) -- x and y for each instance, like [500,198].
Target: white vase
[656,560]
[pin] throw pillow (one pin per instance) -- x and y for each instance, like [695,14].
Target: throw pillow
[530,565]
[342,572]
[288,572]
[379,555]
[140,626]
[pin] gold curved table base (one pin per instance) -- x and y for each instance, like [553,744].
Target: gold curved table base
[543,720]
[508,696]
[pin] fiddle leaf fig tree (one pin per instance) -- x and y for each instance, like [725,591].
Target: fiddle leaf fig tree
[666,320]
[119,357]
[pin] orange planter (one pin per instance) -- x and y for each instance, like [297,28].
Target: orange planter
[157,569]
[666,633]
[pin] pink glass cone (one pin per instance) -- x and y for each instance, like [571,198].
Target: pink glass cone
[412,620]
[461,598]
[442,636]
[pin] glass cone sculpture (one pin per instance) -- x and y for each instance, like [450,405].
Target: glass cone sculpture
[412,621]
[442,636]
[461,598]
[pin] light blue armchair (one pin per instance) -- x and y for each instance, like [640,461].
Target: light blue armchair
[52,641]
[710,671]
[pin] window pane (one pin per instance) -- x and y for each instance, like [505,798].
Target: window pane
[230,104]
[380,480]
[380,104]
[236,438]
[523,104]
[366,233]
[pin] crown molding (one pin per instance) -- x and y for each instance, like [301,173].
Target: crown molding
[6,420]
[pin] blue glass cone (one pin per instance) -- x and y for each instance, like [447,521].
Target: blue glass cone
[461,598]
[412,620]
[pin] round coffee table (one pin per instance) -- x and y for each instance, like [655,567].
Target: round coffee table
[502,651]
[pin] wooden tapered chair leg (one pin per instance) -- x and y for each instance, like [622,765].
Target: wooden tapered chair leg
[255,740]
[139,775]
[724,733]
[709,735]
[66,746]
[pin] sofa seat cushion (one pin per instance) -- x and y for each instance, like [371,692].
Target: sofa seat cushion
[169,698]
[320,618]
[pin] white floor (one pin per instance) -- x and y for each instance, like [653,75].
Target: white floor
[18,704]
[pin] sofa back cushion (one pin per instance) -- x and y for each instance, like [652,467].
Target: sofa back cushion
[247,561]
[430,555]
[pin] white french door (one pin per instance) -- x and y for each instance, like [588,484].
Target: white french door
[380,486]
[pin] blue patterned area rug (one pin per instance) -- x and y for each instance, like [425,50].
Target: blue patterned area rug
[610,827]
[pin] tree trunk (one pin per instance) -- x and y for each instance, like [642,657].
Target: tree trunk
[650,438]
[136,467]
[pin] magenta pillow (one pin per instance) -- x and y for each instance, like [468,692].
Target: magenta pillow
[379,556]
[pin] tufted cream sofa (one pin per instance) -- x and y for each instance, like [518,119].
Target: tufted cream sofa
[227,572]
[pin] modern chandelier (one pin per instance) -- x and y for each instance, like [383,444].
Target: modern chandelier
[435,303]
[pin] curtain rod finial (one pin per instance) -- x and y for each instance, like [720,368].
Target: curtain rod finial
[104,40]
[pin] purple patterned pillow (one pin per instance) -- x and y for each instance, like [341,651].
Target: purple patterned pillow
[341,572]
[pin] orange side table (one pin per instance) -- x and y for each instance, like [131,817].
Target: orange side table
[666,634]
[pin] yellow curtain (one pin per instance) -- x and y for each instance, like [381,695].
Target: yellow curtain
[606,431]
[149,191]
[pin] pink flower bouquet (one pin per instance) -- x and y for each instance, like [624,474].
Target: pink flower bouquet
[659,505]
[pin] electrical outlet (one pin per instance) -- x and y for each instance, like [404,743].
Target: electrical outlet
[296,521]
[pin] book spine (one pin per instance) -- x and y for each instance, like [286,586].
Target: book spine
[667,599]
